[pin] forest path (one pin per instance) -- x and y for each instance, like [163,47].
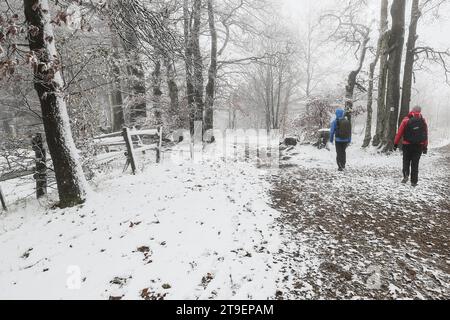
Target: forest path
[362,234]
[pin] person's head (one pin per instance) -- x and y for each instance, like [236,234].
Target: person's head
[417,109]
[340,113]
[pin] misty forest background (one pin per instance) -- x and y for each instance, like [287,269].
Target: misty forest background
[78,69]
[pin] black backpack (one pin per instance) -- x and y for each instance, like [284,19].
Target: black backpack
[416,131]
[343,129]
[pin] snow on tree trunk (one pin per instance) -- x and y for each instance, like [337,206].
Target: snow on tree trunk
[72,185]
[409,62]
[397,39]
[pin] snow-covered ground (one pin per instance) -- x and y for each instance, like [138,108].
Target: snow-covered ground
[215,229]
[361,234]
[189,231]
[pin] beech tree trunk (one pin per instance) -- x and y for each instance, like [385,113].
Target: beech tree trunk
[198,62]
[351,82]
[382,81]
[368,134]
[173,89]
[212,73]
[116,92]
[157,93]
[48,84]
[188,59]
[397,39]
[409,62]
[373,65]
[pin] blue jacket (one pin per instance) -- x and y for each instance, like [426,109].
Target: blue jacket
[340,114]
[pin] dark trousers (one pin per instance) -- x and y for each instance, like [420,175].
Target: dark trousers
[341,149]
[411,159]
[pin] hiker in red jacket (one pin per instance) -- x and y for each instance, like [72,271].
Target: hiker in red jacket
[414,132]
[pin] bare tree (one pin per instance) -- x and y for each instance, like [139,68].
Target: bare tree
[351,33]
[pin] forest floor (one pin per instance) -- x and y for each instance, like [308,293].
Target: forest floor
[231,230]
[361,233]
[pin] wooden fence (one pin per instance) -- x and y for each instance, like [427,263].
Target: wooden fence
[132,141]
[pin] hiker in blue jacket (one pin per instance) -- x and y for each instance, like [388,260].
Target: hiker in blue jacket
[341,131]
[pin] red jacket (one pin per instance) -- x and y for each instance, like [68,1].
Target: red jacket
[401,130]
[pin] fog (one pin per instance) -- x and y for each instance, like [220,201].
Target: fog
[430,89]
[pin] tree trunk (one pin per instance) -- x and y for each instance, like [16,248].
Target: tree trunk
[7,128]
[188,59]
[157,93]
[40,174]
[137,82]
[198,62]
[351,82]
[382,81]
[173,90]
[212,73]
[116,92]
[397,39]
[409,62]
[309,68]
[48,84]
[276,124]
[368,135]
[373,65]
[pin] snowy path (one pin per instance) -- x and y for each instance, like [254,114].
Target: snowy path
[360,234]
[173,232]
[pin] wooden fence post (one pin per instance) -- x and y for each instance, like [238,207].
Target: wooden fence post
[158,150]
[130,151]
[40,174]
[3,200]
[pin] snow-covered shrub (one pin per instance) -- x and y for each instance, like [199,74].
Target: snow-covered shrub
[316,116]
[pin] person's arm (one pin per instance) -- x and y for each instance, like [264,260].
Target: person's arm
[425,145]
[332,131]
[351,135]
[401,131]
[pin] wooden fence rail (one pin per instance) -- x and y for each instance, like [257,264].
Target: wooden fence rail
[3,200]
[132,140]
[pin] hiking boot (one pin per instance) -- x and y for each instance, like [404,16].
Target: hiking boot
[405,180]
[341,169]
[414,185]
